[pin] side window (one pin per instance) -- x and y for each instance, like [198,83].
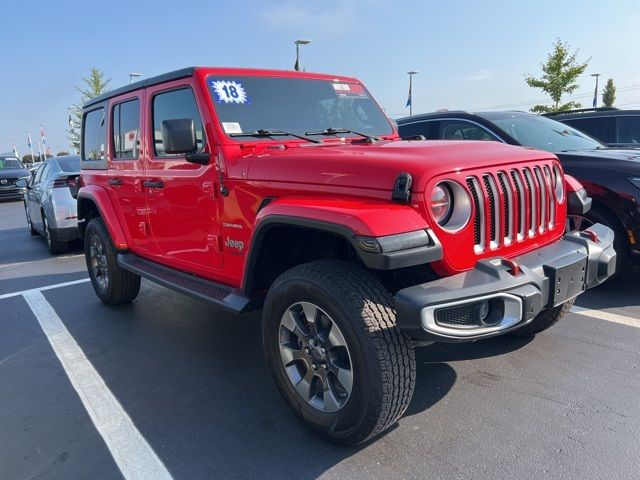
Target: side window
[44,173]
[596,127]
[461,130]
[628,130]
[173,105]
[125,126]
[38,175]
[412,129]
[93,135]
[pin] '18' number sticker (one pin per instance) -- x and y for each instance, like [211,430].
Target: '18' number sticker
[229,91]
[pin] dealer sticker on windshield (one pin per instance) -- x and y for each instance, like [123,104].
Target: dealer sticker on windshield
[229,91]
[231,127]
[349,89]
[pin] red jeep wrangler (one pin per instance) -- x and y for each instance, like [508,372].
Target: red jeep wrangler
[292,192]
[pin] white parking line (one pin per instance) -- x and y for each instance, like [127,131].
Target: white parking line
[131,452]
[41,289]
[609,317]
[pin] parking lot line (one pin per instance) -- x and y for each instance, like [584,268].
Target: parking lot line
[609,317]
[41,289]
[131,452]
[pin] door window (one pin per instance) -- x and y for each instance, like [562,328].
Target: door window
[628,130]
[594,126]
[126,125]
[461,130]
[93,135]
[174,105]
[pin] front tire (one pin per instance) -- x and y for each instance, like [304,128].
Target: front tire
[335,351]
[112,283]
[544,320]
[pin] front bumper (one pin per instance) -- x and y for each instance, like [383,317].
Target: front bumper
[499,295]
[12,192]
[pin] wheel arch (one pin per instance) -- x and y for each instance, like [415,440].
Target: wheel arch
[95,202]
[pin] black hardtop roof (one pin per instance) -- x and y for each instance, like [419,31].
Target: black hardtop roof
[593,112]
[147,82]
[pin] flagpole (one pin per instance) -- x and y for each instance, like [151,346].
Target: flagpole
[595,93]
[30,147]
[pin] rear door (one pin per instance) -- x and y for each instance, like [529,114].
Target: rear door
[126,169]
[181,196]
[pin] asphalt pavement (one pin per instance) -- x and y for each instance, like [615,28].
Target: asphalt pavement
[190,388]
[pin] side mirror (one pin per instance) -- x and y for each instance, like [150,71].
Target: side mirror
[22,183]
[179,135]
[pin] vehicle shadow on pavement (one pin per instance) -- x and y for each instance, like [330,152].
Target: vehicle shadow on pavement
[19,246]
[621,291]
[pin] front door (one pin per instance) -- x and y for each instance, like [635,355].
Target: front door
[181,196]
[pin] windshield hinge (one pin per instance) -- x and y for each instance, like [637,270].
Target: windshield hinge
[402,188]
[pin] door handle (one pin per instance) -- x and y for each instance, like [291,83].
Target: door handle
[153,183]
[114,181]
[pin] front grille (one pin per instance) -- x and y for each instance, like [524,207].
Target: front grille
[10,182]
[511,205]
[459,316]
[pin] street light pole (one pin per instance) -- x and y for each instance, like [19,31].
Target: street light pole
[411,73]
[595,94]
[133,75]
[297,44]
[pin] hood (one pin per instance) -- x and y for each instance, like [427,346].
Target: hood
[14,172]
[376,166]
[613,159]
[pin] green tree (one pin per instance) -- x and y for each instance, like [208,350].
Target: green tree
[94,85]
[559,75]
[61,153]
[29,159]
[609,94]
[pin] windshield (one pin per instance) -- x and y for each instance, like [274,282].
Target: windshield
[542,132]
[7,163]
[247,104]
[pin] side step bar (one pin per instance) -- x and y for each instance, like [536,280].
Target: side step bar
[221,295]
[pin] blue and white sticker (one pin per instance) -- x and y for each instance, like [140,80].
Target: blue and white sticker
[229,91]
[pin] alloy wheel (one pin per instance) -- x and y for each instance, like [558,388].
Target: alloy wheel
[315,357]
[98,262]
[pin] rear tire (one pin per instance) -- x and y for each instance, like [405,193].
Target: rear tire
[545,319]
[372,354]
[32,230]
[112,283]
[54,246]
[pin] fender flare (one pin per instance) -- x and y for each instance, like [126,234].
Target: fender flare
[404,242]
[99,197]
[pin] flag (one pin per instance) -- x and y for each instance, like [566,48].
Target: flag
[44,142]
[595,95]
[29,140]
[409,98]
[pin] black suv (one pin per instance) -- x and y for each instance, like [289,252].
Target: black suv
[611,176]
[612,126]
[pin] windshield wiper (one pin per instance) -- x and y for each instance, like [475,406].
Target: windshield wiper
[267,132]
[335,131]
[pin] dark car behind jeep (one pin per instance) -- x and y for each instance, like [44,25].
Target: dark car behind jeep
[11,170]
[612,126]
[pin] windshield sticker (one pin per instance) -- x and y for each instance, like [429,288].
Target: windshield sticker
[231,127]
[229,92]
[349,89]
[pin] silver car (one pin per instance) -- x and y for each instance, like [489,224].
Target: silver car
[51,210]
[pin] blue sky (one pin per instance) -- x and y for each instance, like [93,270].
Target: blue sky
[470,54]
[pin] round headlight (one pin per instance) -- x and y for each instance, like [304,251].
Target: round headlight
[441,203]
[558,184]
[450,205]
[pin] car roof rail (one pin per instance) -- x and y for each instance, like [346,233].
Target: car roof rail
[581,110]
